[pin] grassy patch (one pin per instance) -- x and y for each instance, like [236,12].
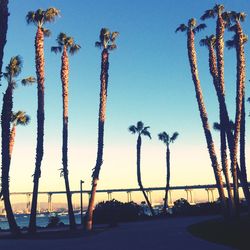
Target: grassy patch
[231,233]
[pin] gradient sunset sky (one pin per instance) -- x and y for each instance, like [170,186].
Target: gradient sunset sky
[149,80]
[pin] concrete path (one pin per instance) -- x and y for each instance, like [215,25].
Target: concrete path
[168,234]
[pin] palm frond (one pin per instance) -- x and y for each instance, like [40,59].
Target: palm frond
[248,99]
[46,32]
[20,118]
[98,44]
[208,14]
[174,137]
[114,35]
[230,44]
[181,28]
[50,14]
[164,137]
[28,81]
[146,133]
[111,47]
[200,27]
[30,17]
[140,126]
[216,126]
[132,129]
[15,66]
[74,49]
[56,49]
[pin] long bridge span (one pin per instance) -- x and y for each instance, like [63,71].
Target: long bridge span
[210,188]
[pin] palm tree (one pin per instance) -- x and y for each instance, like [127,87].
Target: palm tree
[66,44]
[238,42]
[39,18]
[18,118]
[11,72]
[4,14]
[210,42]
[106,43]
[191,30]
[167,140]
[140,129]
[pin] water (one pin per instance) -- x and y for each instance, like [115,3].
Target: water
[42,220]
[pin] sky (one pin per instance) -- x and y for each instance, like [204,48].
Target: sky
[149,81]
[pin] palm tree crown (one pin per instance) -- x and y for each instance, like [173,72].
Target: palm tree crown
[192,26]
[107,39]
[140,129]
[208,40]
[65,41]
[20,118]
[40,17]
[166,138]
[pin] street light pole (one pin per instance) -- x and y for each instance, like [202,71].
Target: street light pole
[81,182]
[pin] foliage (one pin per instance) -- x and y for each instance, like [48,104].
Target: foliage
[53,221]
[114,211]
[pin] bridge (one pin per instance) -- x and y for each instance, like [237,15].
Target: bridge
[210,188]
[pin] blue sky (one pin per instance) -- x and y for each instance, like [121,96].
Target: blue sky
[149,80]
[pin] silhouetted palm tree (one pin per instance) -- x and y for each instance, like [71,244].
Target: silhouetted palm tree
[66,44]
[107,43]
[191,29]
[4,14]
[167,140]
[210,42]
[13,70]
[140,129]
[18,118]
[238,42]
[39,18]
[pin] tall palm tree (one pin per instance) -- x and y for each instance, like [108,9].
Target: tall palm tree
[106,43]
[238,42]
[4,14]
[66,44]
[210,42]
[18,118]
[12,70]
[140,129]
[39,18]
[191,29]
[167,140]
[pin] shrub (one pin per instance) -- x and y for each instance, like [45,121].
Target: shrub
[112,212]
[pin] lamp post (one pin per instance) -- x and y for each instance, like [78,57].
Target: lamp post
[81,182]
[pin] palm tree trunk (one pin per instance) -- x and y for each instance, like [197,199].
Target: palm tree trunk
[138,160]
[4,14]
[5,124]
[65,82]
[204,118]
[229,134]
[242,151]
[12,139]
[224,121]
[39,43]
[101,121]
[239,98]
[167,180]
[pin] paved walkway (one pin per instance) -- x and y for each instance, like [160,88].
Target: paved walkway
[168,234]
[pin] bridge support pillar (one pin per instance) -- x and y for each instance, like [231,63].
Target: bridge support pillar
[109,196]
[190,198]
[129,195]
[211,191]
[49,202]
[27,209]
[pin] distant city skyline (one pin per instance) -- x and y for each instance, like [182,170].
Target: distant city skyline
[149,80]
